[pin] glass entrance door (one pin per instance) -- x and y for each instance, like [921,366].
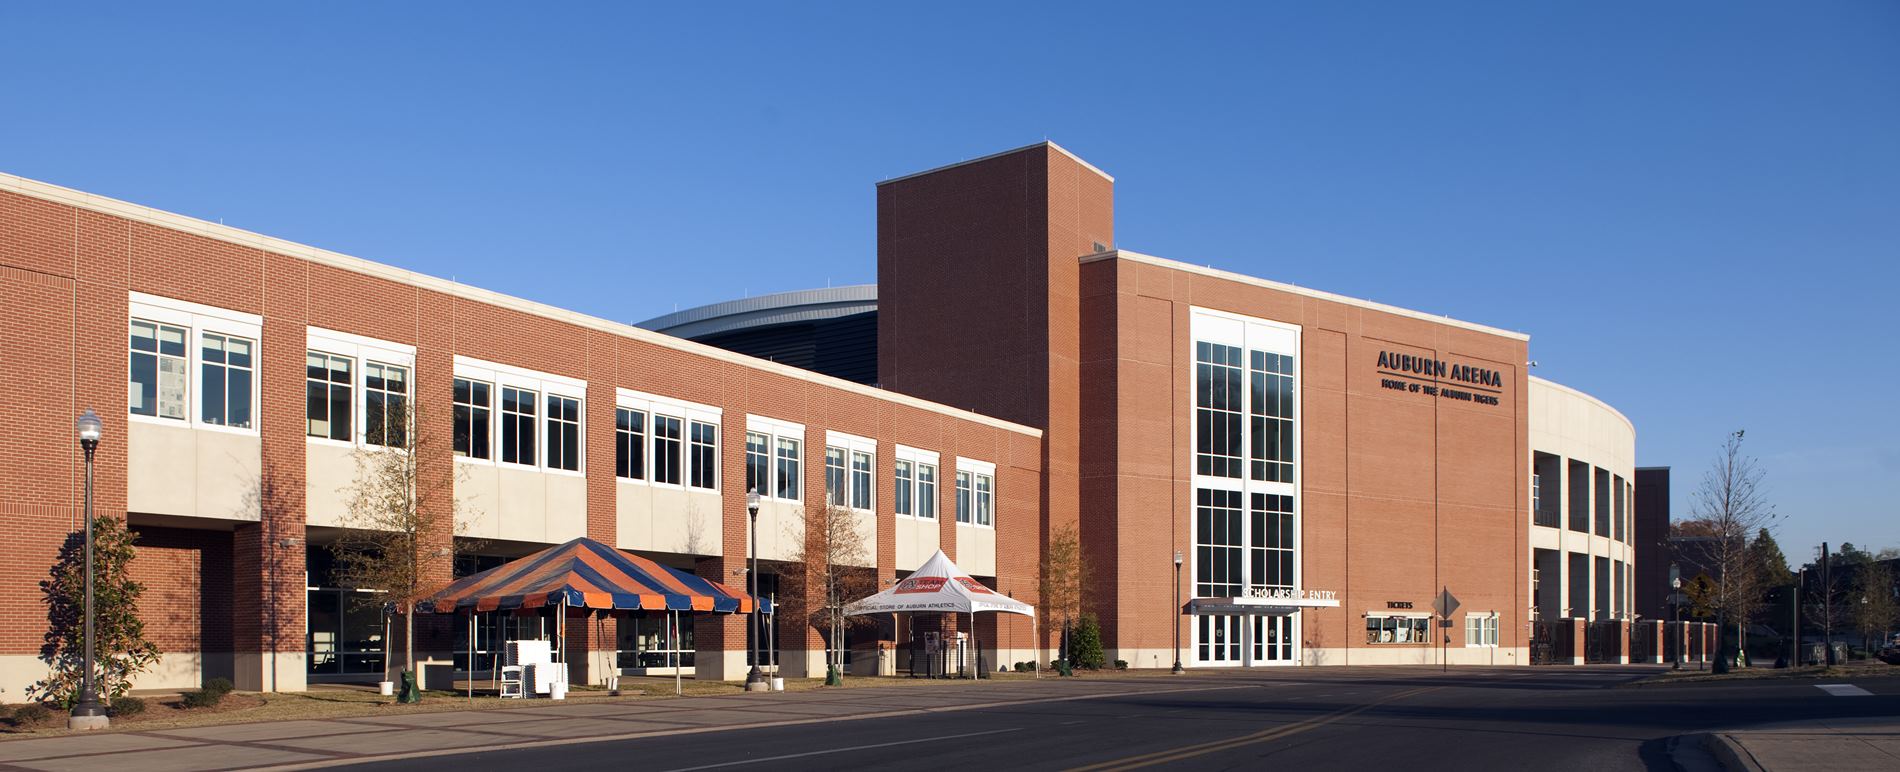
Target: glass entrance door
[1272,641]
[1227,640]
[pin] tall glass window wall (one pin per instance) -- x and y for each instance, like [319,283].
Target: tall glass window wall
[1245,461]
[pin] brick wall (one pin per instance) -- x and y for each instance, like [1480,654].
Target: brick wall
[65,272]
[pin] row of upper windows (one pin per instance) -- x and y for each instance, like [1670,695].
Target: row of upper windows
[520,425]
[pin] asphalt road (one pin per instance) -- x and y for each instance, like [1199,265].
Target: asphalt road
[1545,718]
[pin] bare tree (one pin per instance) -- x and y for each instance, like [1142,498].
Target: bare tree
[1732,506]
[1875,610]
[1064,575]
[832,556]
[399,504]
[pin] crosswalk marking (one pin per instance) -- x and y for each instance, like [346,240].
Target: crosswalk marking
[1844,690]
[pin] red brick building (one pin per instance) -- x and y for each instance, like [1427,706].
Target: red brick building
[258,367]
[1326,469]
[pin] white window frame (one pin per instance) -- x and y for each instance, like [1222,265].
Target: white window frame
[197,319]
[975,469]
[917,456]
[1487,627]
[500,376]
[487,423]
[775,430]
[852,445]
[580,426]
[359,350]
[646,452]
[654,406]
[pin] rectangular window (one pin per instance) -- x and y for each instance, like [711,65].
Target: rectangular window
[158,370]
[1391,629]
[963,497]
[758,463]
[1271,545]
[1481,630]
[630,444]
[1218,544]
[474,401]
[517,425]
[901,492]
[225,386]
[704,439]
[836,493]
[1579,496]
[385,404]
[1617,487]
[666,449]
[564,433]
[788,469]
[1270,416]
[985,500]
[860,480]
[1218,406]
[1602,502]
[927,491]
[327,396]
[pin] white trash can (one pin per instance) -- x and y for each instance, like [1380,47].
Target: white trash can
[388,688]
[557,690]
[778,684]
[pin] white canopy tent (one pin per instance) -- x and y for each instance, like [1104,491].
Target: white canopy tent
[939,587]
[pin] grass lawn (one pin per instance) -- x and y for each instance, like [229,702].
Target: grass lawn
[1859,668]
[340,701]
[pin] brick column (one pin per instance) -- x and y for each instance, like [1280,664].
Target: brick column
[1577,640]
[267,557]
[1622,642]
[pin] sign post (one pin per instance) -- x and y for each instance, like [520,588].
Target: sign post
[1445,604]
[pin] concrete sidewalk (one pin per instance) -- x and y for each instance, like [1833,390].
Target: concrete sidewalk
[329,742]
[1856,745]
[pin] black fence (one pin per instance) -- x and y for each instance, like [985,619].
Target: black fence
[1643,642]
[1550,642]
[1600,642]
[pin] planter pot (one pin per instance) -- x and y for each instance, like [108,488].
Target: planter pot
[778,684]
[387,688]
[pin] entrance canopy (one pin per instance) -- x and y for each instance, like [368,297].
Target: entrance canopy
[1264,601]
[584,573]
[939,586]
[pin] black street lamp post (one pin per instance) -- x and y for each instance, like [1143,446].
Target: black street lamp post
[1178,670]
[88,713]
[755,680]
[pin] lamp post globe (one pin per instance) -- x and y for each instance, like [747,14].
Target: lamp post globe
[755,678]
[1178,670]
[88,713]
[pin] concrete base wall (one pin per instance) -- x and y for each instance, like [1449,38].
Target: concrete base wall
[720,665]
[253,671]
[1418,655]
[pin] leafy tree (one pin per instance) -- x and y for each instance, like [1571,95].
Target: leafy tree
[1064,574]
[1850,555]
[399,503]
[120,649]
[832,557]
[1734,506]
[1769,562]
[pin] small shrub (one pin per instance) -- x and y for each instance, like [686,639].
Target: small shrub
[1121,664]
[27,716]
[1085,644]
[126,706]
[203,698]
[219,685]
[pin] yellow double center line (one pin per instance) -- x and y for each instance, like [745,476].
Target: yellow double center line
[1265,735]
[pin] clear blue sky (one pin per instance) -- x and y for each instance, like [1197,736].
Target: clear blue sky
[1692,207]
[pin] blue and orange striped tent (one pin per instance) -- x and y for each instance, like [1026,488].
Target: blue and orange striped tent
[587,574]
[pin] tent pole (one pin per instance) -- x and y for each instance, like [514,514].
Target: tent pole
[676,653]
[471,655]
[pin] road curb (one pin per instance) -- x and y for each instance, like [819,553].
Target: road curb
[1730,754]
